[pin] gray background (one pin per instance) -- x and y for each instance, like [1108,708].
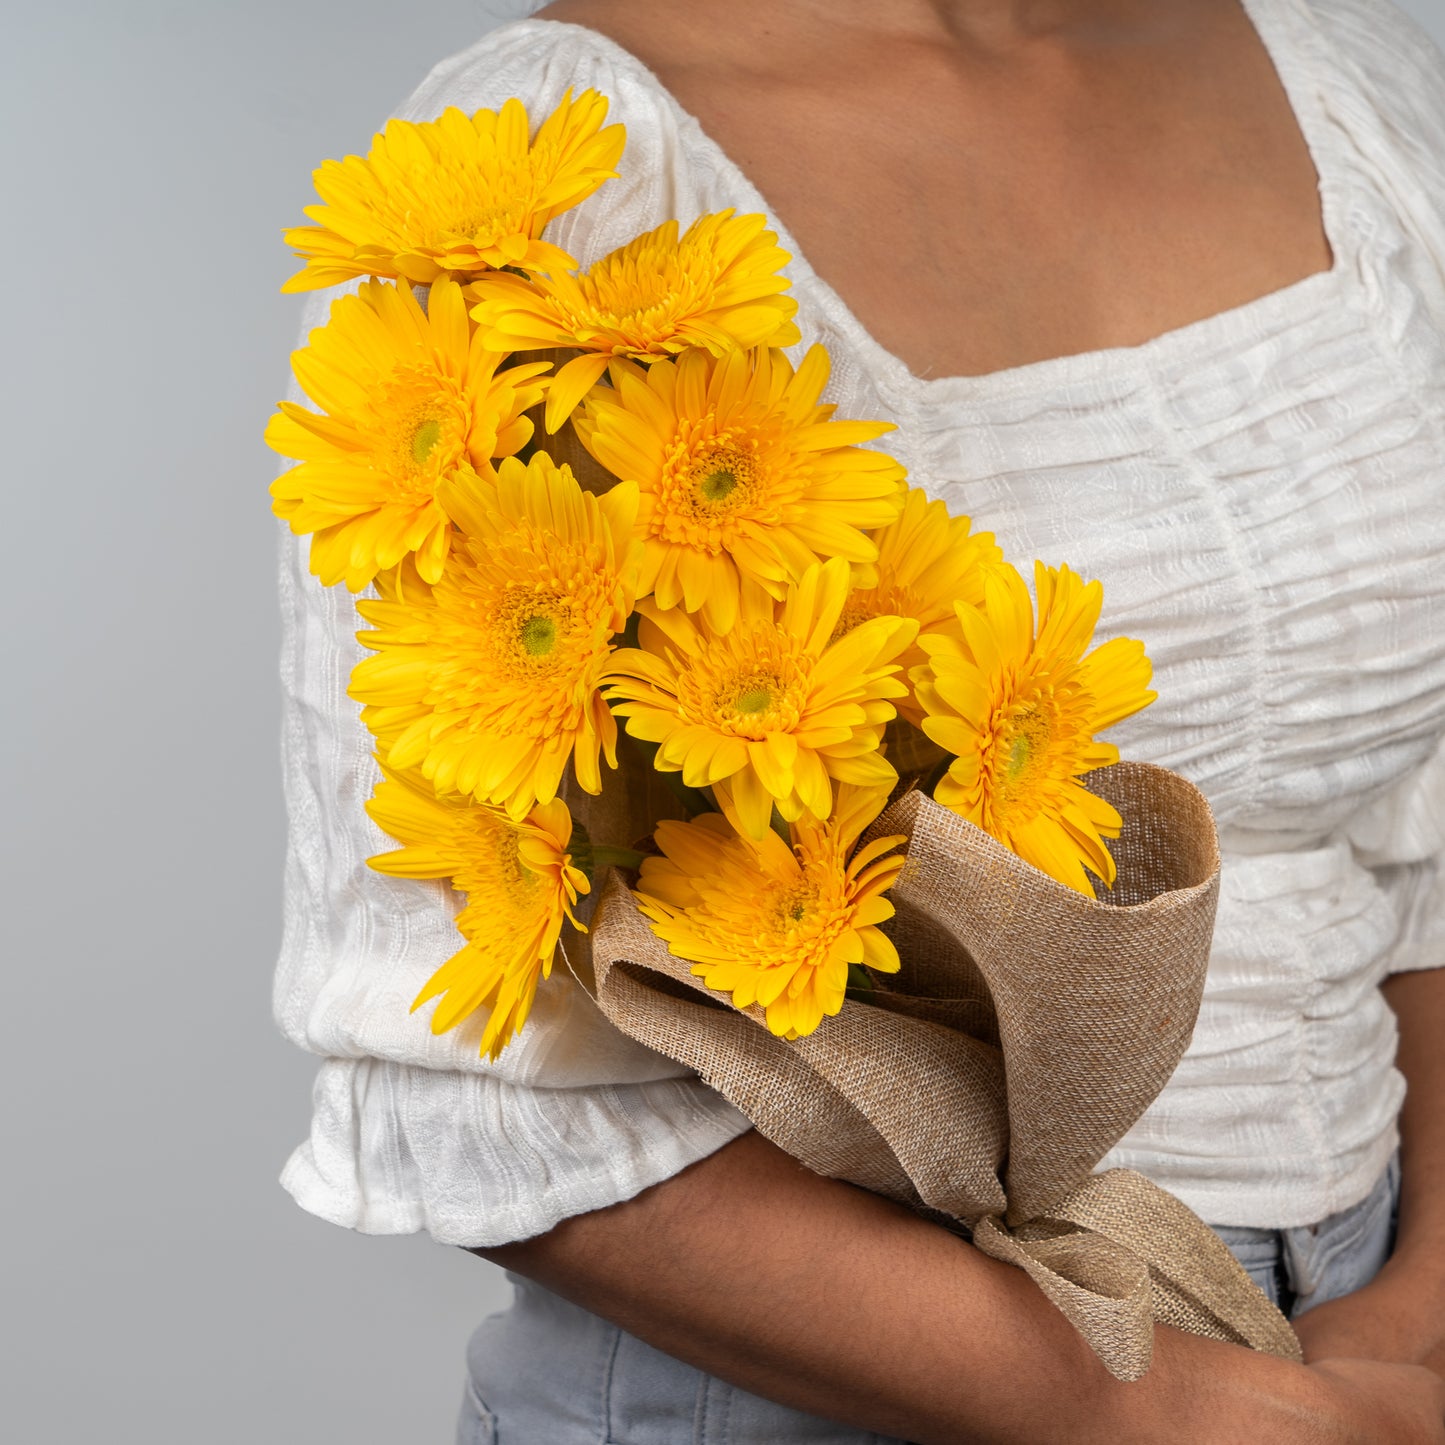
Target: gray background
[160,1289]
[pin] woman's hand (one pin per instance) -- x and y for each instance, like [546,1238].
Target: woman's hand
[1365,1403]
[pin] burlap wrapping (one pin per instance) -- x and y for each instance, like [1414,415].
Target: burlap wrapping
[1029,1028]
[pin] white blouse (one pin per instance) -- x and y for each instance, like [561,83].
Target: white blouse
[1263,495]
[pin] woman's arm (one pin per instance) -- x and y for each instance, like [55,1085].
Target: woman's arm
[1400,1316]
[837,1302]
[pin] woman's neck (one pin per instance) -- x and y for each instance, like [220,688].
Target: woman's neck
[987,24]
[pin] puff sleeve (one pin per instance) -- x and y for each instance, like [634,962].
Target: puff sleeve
[1394,116]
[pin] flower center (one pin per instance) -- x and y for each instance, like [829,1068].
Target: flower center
[795,905]
[886,600]
[472,206]
[637,297]
[638,306]
[1018,755]
[424,438]
[721,477]
[519,883]
[538,635]
[751,682]
[754,700]
[483,227]
[418,429]
[534,627]
[427,444]
[1025,737]
[716,485]
[493,875]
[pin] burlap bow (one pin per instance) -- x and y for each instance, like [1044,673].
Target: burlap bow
[1029,1028]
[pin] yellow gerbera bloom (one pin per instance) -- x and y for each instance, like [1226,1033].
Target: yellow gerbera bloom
[408,399]
[488,681]
[772,712]
[743,473]
[519,884]
[928,561]
[771,924]
[1020,712]
[717,287]
[456,196]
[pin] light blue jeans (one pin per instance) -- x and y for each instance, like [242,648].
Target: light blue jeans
[1301,1268]
[545,1372]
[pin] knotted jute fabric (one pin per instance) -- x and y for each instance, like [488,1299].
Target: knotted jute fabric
[1027,1030]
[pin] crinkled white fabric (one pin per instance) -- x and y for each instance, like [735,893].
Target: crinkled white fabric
[1263,494]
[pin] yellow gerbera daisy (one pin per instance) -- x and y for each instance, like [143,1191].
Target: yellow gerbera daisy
[771,924]
[1020,712]
[772,712]
[408,399]
[519,884]
[488,680]
[743,473]
[928,561]
[456,196]
[717,287]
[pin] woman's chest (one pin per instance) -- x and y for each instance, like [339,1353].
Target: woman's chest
[1000,232]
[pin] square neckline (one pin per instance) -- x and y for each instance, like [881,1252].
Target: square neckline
[905,387]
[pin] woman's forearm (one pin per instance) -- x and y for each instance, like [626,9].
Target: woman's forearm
[1416,1271]
[1419,1003]
[1400,1314]
[831,1300]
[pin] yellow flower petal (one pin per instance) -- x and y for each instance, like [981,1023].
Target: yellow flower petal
[765,712]
[1019,708]
[502,660]
[457,196]
[715,286]
[409,403]
[770,924]
[519,886]
[742,473]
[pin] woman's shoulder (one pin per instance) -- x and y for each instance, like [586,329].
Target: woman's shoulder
[1381,80]
[1398,65]
[535,60]
[1382,21]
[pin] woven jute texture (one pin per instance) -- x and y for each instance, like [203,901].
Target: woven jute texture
[1028,1028]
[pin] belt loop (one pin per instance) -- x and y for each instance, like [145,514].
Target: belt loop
[1300,1252]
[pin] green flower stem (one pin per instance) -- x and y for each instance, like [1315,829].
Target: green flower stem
[604,855]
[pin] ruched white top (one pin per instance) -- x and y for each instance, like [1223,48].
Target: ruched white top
[1262,493]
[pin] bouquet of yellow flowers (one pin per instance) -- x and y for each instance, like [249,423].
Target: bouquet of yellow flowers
[864,908]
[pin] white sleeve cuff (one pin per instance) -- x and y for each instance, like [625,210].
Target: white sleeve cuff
[474,1160]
